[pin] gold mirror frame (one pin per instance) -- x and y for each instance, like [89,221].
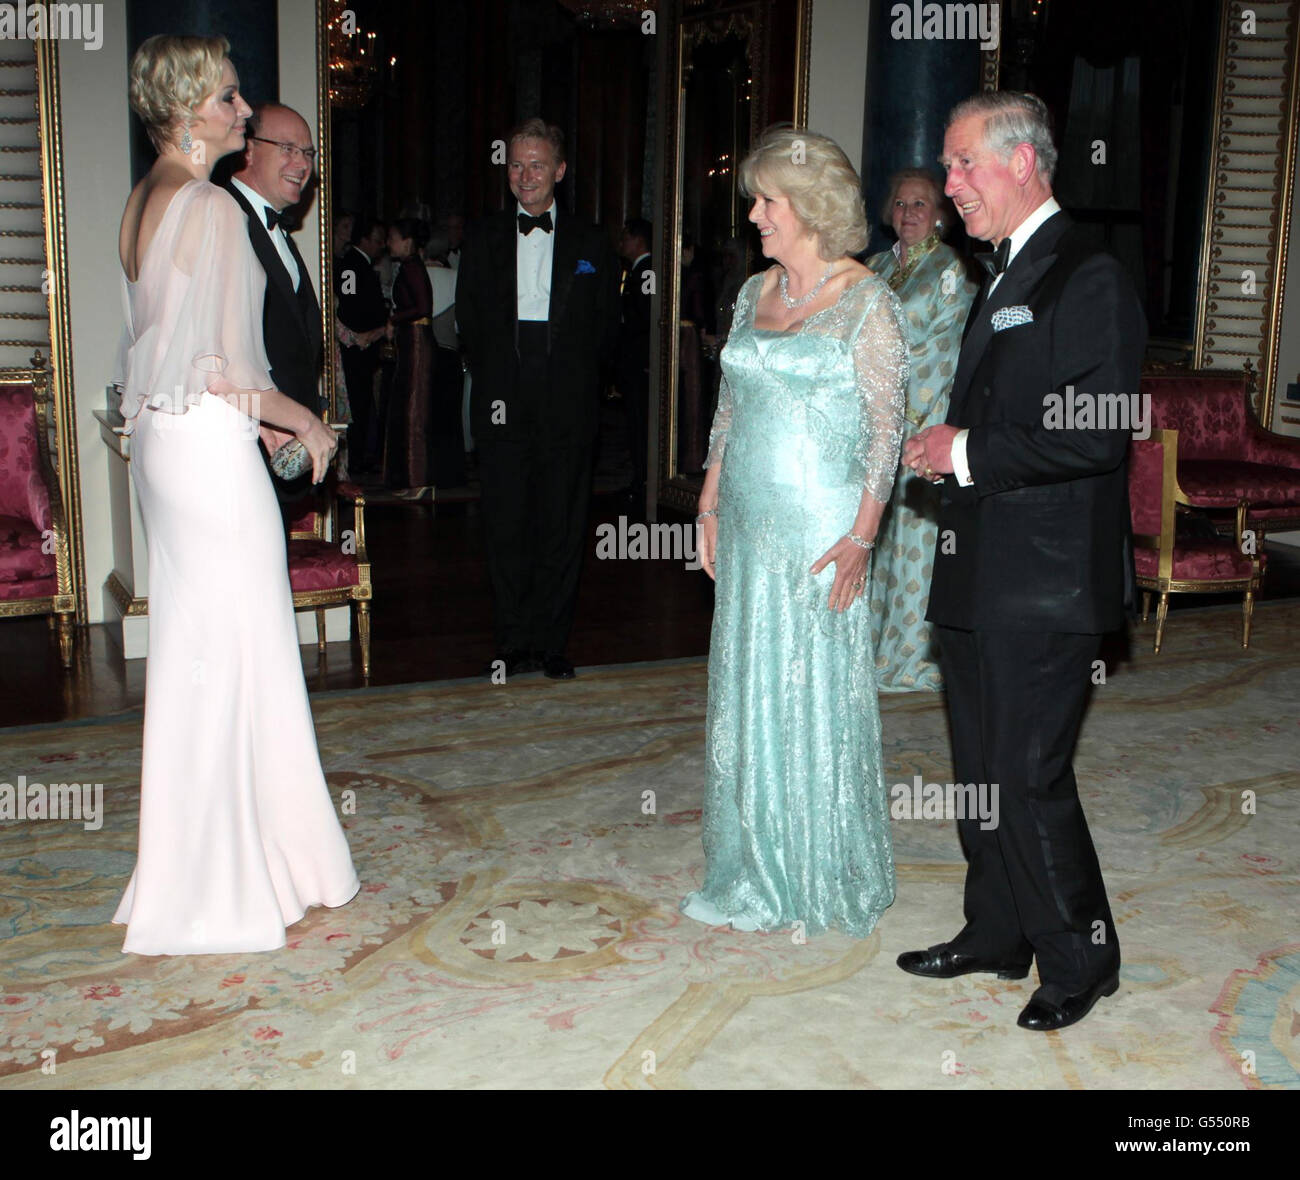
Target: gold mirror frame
[1248,196]
[752,19]
[63,403]
[324,206]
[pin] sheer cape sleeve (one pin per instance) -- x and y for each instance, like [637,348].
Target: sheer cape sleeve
[880,364]
[196,309]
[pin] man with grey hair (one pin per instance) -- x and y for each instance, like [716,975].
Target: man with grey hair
[1039,560]
[536,301]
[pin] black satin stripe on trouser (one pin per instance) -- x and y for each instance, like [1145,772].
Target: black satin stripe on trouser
[536,489]
[1015,703]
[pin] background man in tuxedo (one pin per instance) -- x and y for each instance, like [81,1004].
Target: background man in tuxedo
[632,374]
[363,309]
[276,167]
[1039,562]
[537,305]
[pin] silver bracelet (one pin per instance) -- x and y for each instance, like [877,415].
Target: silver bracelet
[706,512]
[860,542]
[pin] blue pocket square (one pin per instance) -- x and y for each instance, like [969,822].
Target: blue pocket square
[1010,317]
[584,268]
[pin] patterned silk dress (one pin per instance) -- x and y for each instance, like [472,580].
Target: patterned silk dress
[936,295]
[796,823]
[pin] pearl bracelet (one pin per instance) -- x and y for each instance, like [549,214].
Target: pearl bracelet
[860,542]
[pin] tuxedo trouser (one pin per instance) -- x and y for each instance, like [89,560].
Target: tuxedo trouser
[536,491]
[1033,884]
[359,366]
[636,410]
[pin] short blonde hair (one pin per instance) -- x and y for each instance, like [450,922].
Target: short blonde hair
[170,77]
[944,210]
[814,173]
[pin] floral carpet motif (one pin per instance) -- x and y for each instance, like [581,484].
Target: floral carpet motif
[523,848]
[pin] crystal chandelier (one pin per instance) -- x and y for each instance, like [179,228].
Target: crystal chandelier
[353,66]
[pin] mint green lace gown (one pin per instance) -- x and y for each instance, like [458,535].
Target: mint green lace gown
[796,823]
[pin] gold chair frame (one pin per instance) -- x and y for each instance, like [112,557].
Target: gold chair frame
[327,529]
[61,606]
[1164,583]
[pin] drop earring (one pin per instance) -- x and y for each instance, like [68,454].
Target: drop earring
[187,142]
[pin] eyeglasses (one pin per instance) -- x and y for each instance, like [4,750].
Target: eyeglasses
[289,149]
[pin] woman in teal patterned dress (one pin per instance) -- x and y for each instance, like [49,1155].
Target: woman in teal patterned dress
[802,456]
[931,282]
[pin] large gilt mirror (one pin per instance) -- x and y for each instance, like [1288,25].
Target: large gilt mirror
[1177,123]
[734,69]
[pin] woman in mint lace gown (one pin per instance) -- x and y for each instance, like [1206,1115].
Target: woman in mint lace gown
[936,295]
[802,458]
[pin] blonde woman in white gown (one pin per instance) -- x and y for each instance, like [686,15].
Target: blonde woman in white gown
[238,836]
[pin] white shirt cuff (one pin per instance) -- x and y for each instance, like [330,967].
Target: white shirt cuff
[960,468]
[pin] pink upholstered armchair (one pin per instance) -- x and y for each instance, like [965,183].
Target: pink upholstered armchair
[328,567]
[1224,454]
[35,570]
[1169,564]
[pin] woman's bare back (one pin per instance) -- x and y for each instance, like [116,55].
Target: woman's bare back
[145,209]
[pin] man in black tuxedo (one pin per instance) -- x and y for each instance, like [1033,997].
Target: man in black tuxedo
[363,309]
[1034,560]
[277,165]
[632,374]
[537,306]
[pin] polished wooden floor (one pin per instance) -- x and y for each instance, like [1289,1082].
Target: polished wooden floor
[433,621]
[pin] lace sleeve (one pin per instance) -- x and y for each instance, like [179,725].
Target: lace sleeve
[722,416]
[721,423]
[880,362]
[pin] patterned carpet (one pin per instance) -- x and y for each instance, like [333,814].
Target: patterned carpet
[523,849]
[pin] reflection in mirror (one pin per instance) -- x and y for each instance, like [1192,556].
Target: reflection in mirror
[715,97]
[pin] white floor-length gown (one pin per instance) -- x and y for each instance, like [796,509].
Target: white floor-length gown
[238,835]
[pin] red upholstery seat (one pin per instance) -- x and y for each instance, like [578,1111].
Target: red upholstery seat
[35,570]
[1224,454]
[26,568]
[327,566]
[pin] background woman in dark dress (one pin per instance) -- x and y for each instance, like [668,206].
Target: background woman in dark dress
[410,408]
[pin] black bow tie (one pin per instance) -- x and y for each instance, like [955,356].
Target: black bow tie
[273,218]
[995,262]
[528,224]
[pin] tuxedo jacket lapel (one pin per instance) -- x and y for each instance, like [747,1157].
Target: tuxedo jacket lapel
[1019,279]
[268,255]
[564,261]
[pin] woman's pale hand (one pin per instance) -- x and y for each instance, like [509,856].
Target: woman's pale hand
[273,439]
[850,572]
[321,443]
[706,545]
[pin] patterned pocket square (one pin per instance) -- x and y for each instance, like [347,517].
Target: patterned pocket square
[584,268]
[1010,317]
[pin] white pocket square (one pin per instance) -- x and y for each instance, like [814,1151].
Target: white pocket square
[1010,317]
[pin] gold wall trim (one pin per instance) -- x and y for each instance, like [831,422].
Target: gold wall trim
[324,208]
[1254,130]
[56,259]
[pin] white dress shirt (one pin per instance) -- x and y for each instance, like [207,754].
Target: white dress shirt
[1019,236]
[278,240]
[533,255]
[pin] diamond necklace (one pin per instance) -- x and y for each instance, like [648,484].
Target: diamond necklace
[784,284]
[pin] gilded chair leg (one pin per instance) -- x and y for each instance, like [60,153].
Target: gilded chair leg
[65,640]
[320,628]
[1247,609]
[1162,613]
[1146,605]
[363,633]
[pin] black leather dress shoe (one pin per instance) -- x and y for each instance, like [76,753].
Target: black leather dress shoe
[1050,1008]
[941,962]
[513,661]
[557,668]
